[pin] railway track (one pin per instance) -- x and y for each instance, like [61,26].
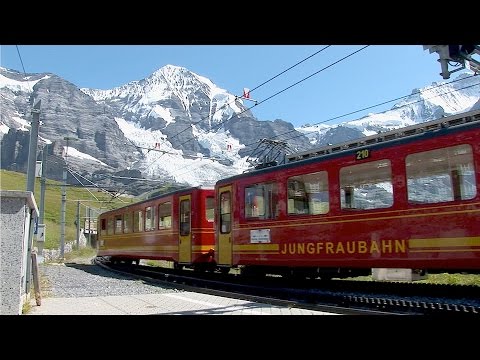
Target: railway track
[342,297]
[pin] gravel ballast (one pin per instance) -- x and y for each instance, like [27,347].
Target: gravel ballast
[81,280]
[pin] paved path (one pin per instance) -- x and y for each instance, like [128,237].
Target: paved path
[175,303]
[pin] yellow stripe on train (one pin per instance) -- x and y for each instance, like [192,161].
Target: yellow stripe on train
[444,242]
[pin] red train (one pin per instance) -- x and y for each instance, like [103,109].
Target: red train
[402,199]
[177,227]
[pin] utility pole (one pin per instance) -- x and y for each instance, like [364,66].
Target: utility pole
[32,162]
[64,201]
[32,150]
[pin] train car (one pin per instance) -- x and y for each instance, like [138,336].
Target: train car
[176,227]
[403,199]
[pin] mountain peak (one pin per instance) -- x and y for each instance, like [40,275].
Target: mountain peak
[169,71]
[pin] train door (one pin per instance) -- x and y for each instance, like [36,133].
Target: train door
[185,230]
[225,225]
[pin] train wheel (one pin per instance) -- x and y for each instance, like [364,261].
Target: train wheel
[177,266]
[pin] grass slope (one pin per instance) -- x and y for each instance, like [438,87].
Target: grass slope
[93,198]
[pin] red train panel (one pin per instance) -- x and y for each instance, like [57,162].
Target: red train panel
[175,227]
[409,202]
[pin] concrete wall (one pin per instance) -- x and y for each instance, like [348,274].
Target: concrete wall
[18,211]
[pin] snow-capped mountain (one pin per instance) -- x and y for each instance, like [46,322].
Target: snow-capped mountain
[428,103]
[168,93]
[176,126]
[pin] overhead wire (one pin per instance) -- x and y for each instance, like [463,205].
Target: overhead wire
[91,182]
[71,173]
[288,69]
[287,88]
[369,107]
[23,67]
[255,88]
[69,169]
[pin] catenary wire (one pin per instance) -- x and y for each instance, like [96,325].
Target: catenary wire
[399,107]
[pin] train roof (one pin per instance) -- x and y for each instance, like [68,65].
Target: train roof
[389,138]
[170,193]
[446,122]
[185,189]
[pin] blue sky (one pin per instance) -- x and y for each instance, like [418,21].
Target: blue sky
[374,75]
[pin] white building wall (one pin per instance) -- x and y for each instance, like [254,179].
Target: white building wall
[16,209]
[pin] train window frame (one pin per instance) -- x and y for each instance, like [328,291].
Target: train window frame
[185,217]
[210,208]
[165,215]
[441,175]
[127,222]
[118,221]
[150,219]
[261,201]
[138,221]
[361,186]
[307,194]
[225,212]
[110,225]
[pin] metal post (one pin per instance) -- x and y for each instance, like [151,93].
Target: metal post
[32,162]
[29,252]
[89,228]
[36,280]
[78,224]
[64,201]
[32,150]
[41,219]
[444,66]
[63,211]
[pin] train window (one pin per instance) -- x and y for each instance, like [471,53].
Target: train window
[366,186]
[209,208]
[118,224]
[308,194]
[440,175]
[138,221]
[184,217]
[165,215]
[225,213]
[127,222]
[110,226]
[150,219]
[261,201]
